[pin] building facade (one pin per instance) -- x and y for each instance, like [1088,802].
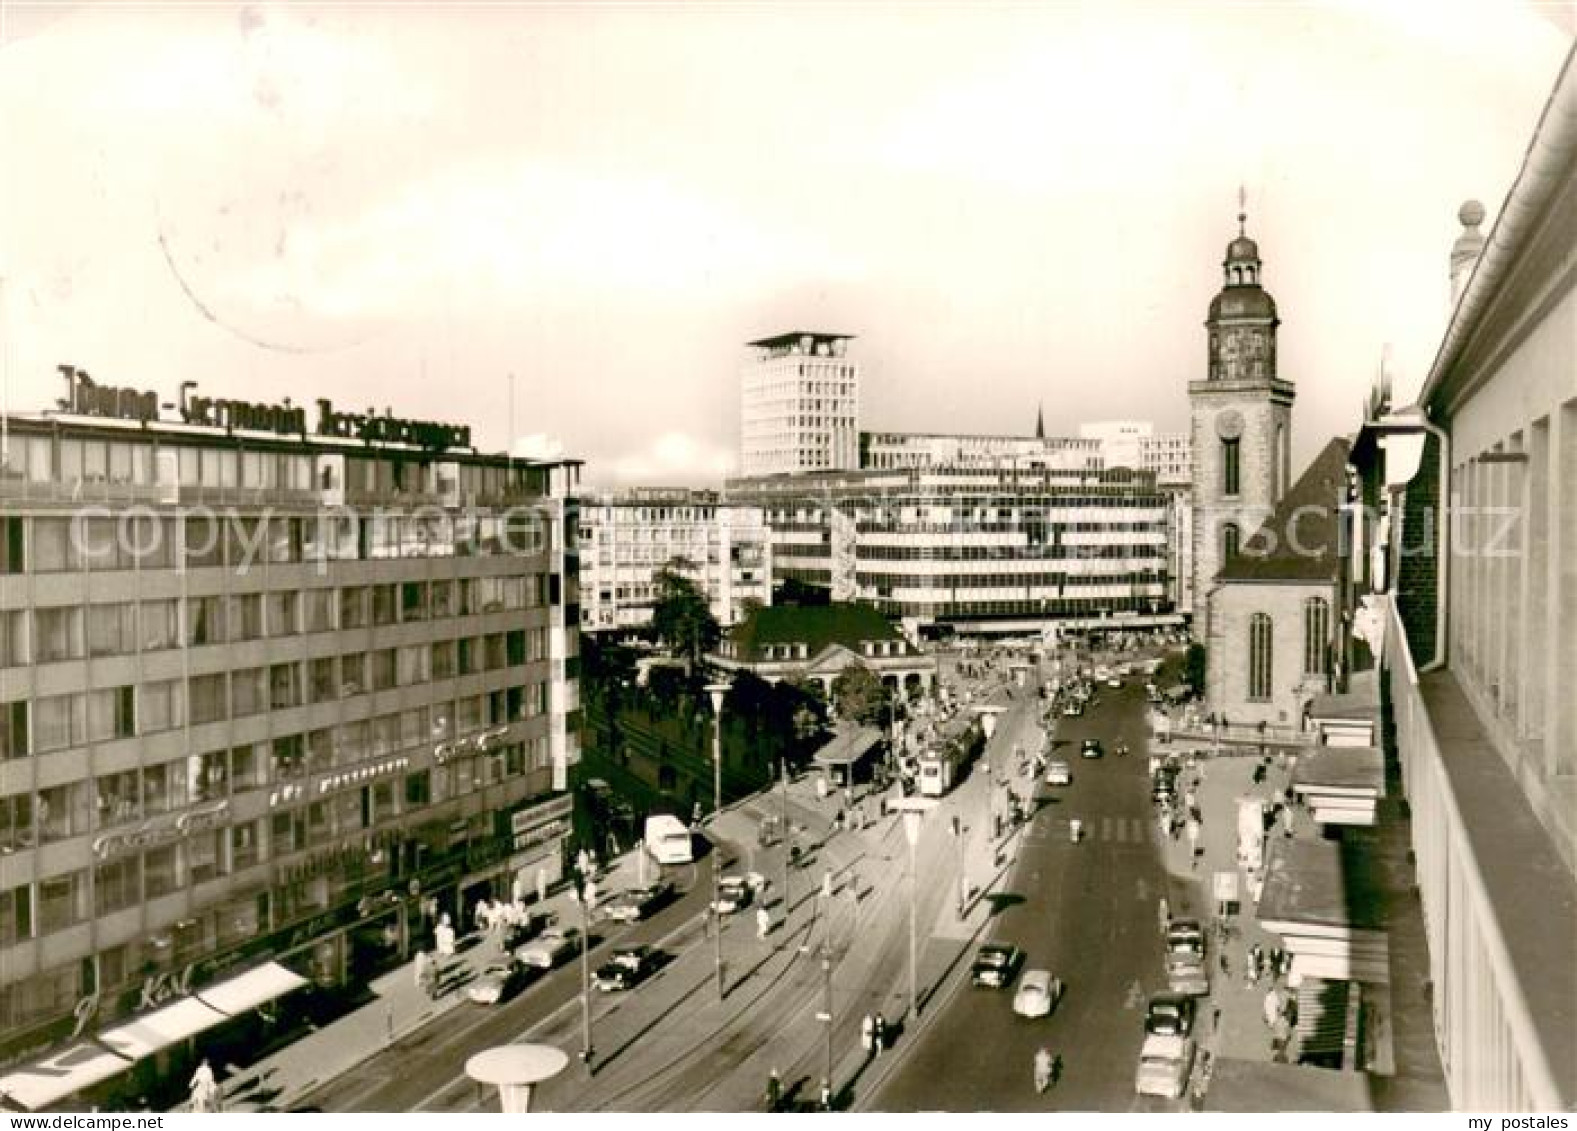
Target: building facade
[975,548]
[1277,608]
[1478,597]
[1241,416]
[889,451]
[266,692]
[799,405]
[628,537]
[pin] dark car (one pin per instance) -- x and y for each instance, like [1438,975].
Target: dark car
[996,965]
[1170,1015]
[628,966]
[1164,785]
[1091,748]
[638,903]
[1185,935]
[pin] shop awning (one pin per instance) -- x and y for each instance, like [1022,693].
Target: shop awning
[146,1035]
[247,991]
[70,1070]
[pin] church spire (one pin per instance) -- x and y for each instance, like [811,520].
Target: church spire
[1040,422]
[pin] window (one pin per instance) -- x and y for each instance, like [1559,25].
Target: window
[207,698]
[111,713]
[204,542]
[246,767]
[324,680]
[1229,467]
[57,634]
[413,601]
[246,692]
[212,773]
[14,651]
[1316,636]
[352,607]
[317,610]
[443,659]
[245,844]
[281,613]
[99,546]
[413,664]
[205,620]
[246,616]
[162,706]
[16,823]
[16,915]
[284,686]
[383,604]
[163,787]
[1259,657]
[61,902]
[112,629]
[160,871]
[384,670]
[12,544]
[158,623]
[117,885]
[56,720]
[1230,537]
[119,799]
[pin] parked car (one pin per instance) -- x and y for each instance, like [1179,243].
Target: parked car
[1038,994]
[996,965]
[1059,773]
[550,948]
[517,934]
[1170,1015]
[733,894]
[1186,974]
[626,967]
[1091,748]
[1164,1065]
[1163,786]
[638,903]
[1185,935]
[499,982]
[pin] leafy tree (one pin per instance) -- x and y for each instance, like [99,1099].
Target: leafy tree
[859,694]
[681,617]
[1194,667]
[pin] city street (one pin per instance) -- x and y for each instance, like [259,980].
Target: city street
[1087,912]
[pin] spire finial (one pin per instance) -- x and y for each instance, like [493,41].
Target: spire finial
[1242,208]
[1040,421]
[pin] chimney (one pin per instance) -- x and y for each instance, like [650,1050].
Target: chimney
[1465,252]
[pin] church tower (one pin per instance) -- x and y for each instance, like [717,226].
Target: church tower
[1241,417]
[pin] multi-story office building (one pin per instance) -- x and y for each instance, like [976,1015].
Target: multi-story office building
[974,547]
[888,451]
[799,405]
[1168,456]
[266,691]
[627,538]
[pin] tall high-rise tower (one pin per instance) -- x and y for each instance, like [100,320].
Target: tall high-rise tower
[1241,420]
[799,405]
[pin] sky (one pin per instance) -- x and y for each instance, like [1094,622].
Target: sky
[580,212]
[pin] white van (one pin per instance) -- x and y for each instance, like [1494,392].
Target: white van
[668,840]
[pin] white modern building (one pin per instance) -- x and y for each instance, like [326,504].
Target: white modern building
[886,451]
[799,405]
[628,537]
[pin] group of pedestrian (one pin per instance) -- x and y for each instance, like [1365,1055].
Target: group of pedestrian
[873,1034]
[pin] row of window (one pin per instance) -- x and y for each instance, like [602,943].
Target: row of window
[58,722]
[59,902]
[48,635]
[149,541]
[45,459]
[1261,647]
[1034,548]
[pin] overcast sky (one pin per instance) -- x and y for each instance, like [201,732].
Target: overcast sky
[401,205]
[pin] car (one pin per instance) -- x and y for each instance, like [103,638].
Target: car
[526,929]
[1091,748]
[1185,935]
[1170,1015]
[1164,1065]
[1185,973]
[1059,773]
[626,967]
[733,894]
[550,948]
[996,965]
[1073,709]
[638,903]
[499,982]
[1163,787]
[1038,994]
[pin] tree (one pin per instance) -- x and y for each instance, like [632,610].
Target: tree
[859,694]
[1194,668]
[681,617]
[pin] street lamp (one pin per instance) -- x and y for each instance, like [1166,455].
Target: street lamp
[717,691]
[586,896]
[783,832]
[914,810]
[988,726]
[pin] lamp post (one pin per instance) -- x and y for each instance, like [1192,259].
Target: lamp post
[988,726]
[914,810]
[826,977]
[783,831]
[717,691]
[585,895]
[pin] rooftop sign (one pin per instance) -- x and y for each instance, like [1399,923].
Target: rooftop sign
[86,397]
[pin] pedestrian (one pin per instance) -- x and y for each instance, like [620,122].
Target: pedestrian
[881,1034]
[480,915]
[1164,914]
[1225,968]
[826,1094]
[423,972]
[774,1091]
[1286,821]
[763,922]
[1271,1007]
[868,1035]
[443,939]
[204,1089]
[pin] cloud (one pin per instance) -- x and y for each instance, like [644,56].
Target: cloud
[672,458]
[538,445]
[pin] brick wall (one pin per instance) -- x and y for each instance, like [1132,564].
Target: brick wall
[1414,562]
